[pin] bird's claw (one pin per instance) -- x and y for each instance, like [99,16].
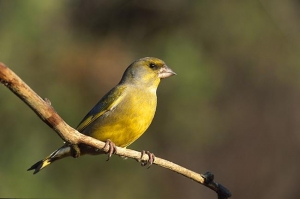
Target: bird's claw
[112,149]
[149,161]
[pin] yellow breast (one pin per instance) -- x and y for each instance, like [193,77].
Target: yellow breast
[128,120]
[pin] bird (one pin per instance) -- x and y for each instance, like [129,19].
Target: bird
[122,115]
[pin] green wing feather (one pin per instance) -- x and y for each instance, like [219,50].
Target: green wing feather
[107,103]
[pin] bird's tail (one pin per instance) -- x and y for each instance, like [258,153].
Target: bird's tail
[60,153]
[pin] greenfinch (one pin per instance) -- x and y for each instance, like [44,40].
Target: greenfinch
[123,114]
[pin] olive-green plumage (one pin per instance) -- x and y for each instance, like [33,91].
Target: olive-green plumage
[124,113]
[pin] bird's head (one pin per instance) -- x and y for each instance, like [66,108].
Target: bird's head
[148,71]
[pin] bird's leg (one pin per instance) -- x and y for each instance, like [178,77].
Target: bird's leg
[112,148]
[149,161]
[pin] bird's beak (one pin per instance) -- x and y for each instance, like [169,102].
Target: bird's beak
[165,72]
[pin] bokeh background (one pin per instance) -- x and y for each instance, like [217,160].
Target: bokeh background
[233,109]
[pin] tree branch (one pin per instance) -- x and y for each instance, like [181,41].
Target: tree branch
[46,112]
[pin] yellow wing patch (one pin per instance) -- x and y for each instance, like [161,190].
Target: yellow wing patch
[107,103]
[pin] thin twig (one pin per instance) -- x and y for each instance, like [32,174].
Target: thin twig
[47,113]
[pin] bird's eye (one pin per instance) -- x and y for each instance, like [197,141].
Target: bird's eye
[152,65]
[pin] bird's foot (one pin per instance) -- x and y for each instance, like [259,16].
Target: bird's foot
[149,161]
[112,149]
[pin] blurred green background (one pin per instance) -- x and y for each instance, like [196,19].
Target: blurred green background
[233,109]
